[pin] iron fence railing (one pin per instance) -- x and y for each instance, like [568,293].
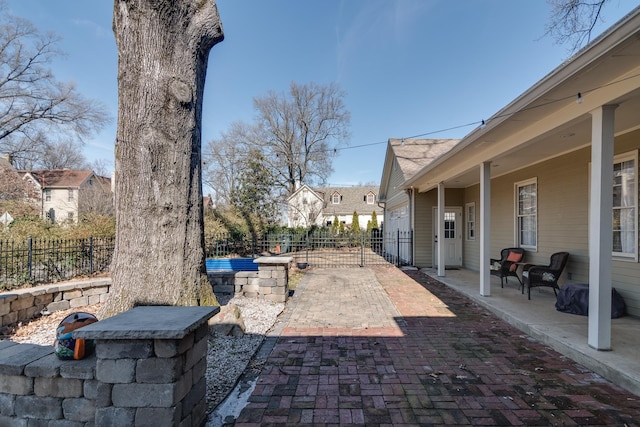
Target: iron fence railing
[51,260]
[48,260]
[321,248]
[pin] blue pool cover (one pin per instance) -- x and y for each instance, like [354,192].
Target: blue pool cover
[231,264]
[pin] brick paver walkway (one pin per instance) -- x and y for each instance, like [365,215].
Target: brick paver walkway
[381,347]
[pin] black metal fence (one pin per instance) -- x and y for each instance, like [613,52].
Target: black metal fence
[46,260]
[321,248]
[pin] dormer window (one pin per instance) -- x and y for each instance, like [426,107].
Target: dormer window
[335,198]
[371,198]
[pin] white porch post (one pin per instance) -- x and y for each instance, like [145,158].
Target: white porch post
[485,228]
[600,227]
[440,219]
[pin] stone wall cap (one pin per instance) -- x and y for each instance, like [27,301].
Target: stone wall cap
[273,260]
[149,322]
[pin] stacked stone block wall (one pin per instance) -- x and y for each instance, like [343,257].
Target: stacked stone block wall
[270,282]
[25,304]
[152,382]
[132,382]
[37,388]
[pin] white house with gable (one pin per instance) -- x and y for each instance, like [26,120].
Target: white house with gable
[320,206]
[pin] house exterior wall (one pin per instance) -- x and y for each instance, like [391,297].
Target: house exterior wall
[423,231]
[363,219]
[424,220]
[397,215]
[563,218]
[471,247]
[61,204]
[305,209]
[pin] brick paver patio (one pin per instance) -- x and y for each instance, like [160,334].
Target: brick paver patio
[384,347]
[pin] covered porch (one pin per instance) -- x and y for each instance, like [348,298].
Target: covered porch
[556,170]
[565,333]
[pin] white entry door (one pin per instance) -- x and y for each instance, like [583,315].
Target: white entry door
[452,236]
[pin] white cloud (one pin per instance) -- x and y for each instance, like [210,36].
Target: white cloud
[97,29]
[375,24]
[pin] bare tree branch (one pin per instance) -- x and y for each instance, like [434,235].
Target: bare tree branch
[36,111]
[572,21]
[298,132]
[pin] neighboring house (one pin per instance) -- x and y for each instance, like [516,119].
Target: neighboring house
[64,194]
[320,206]
[207,203]
[12,186]
[554,170]
[403,159]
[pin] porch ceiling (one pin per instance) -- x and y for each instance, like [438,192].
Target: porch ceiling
[570,136]
[547,121]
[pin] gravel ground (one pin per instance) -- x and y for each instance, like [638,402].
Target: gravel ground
[227,357]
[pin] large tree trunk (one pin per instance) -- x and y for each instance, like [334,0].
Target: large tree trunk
[163,49]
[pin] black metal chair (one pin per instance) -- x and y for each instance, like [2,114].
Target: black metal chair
[545,275]
[507,266]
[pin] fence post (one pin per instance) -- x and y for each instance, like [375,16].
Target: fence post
[307,248]
[30,256]
[90,254]
[411,247]
[398,248]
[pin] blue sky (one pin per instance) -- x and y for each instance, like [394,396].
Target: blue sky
[408,67]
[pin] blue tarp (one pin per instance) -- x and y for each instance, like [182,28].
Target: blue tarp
[231,264]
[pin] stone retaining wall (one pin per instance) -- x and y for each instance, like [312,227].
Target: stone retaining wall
[25,304]
[139,375]
[270,282]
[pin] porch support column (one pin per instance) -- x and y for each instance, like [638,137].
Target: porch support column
[600,226]
[485,229]
[440,219]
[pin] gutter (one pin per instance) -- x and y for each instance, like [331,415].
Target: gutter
[603,44]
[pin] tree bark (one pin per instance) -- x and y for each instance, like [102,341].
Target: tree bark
[163,49]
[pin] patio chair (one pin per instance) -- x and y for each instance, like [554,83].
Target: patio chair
[507,266]
[545,275]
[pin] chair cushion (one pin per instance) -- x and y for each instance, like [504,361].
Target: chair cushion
[514,257]
[548,277]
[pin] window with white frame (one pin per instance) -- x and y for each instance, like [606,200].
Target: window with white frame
[471,220]
[527,214]
[70,197]
[625,201]
[335,198]
[47,195]
[371,198]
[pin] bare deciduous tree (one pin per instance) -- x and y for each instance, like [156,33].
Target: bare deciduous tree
[296,132]
[96,199]
[299,131]
[572,21]
[12,186]
[223,160]
[66,154]
[37,111]
[163,50]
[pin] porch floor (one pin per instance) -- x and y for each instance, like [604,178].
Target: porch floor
[565,333]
